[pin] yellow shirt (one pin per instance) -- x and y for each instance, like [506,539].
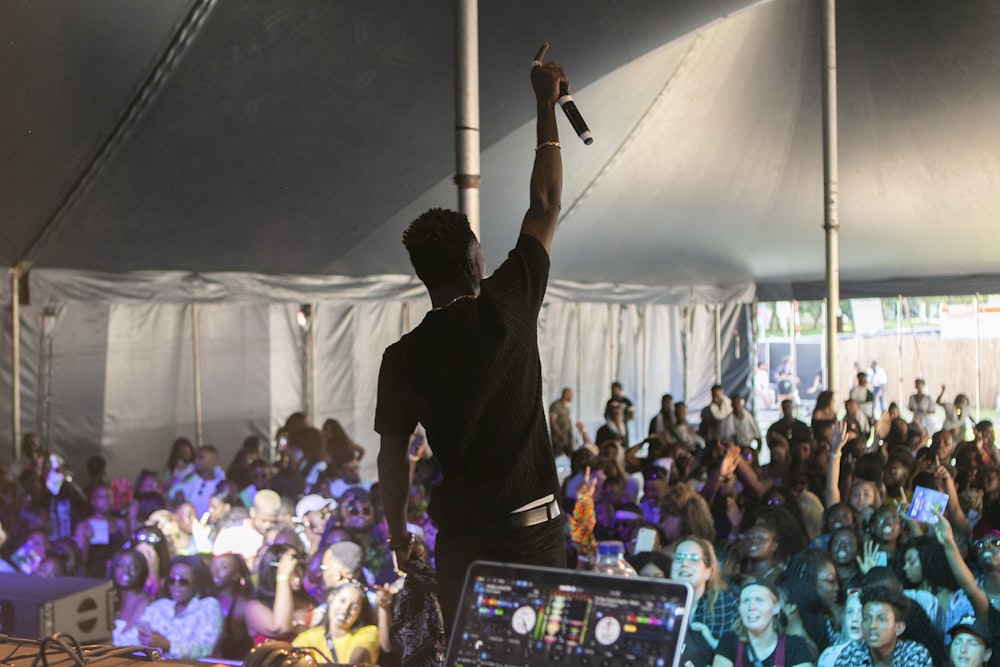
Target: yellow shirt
[365,637]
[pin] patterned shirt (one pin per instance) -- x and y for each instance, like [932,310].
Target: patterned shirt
[192,633]
[906,654]
[724,612]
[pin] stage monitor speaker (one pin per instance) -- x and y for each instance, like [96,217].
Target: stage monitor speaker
[32,606]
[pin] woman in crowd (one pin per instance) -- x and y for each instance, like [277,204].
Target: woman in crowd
[836,516]
[685,512]
[926,568]
[815,592]
[129,571]
[823,415]
[152,544]
[107,532]
[361,520]
[349,635]
[271,614]
[885,530]
[757,638]
[180,462]
[850,629]
[233,590]
[186,624]
[714,606]
[798,607]
[179,542]
[844,549]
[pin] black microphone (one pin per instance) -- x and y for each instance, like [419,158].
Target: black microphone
[575,119]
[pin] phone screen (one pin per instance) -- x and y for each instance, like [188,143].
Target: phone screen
[644,540]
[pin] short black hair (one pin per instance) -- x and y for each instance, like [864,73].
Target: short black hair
[886,595]
[438,242]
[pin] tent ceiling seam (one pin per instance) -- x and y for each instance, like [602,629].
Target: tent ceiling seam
[186,31]
[630,136]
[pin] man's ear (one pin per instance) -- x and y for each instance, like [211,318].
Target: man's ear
[987,655]
[900,628]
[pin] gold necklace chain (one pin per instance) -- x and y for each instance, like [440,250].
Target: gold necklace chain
[457,298]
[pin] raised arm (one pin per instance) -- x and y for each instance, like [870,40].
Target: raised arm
[546,176]
[963,575]
[833,469]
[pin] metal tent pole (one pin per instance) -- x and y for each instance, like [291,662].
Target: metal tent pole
[718,344]
[831,222]
[15,360]
[467,109]
[196,361]
[979,368]
[899,338]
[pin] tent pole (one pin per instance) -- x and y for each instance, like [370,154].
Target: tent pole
[15,360]
[979,368]
[467,109]
[718,345]
[311,365]
[685,343]
[644,366]
[899,339]
[196,361]
[793,353]
[831,187]
[579,362]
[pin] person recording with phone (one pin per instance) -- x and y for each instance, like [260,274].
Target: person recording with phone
[470,373]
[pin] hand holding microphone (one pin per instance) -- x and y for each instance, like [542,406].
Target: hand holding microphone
[566,100]
[575,119]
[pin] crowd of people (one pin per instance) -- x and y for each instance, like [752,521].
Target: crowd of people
[864,539]
[857,541]
[213,562]
[815,551]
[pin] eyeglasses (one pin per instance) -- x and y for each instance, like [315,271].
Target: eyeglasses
[987,543]
[887,520]
[150,538]
[775,502]
[180,581]
[694,558]
[355,510]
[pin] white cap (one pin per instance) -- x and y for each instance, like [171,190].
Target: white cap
[313,503]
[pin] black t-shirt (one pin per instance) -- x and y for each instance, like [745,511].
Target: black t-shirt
[796,651]
[993,620]
[471,374]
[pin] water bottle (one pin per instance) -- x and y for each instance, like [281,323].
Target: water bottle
[611,559]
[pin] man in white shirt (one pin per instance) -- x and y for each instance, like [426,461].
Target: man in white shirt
[198,487]
[879,380]
[862,393]
[739,426]
[922,406]
[247,538]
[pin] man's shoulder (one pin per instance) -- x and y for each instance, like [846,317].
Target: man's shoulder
[526,264]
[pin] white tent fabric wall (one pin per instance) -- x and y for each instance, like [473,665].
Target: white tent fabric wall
[123,381]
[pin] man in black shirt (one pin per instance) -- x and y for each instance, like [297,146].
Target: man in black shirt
[471,374]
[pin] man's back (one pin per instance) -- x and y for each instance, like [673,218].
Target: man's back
[470,373]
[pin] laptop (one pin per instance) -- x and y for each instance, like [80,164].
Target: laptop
[525,615]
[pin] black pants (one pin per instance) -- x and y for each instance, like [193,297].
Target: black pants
[455,550]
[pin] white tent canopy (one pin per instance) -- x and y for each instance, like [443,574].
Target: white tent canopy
[185,139]
[121,351]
